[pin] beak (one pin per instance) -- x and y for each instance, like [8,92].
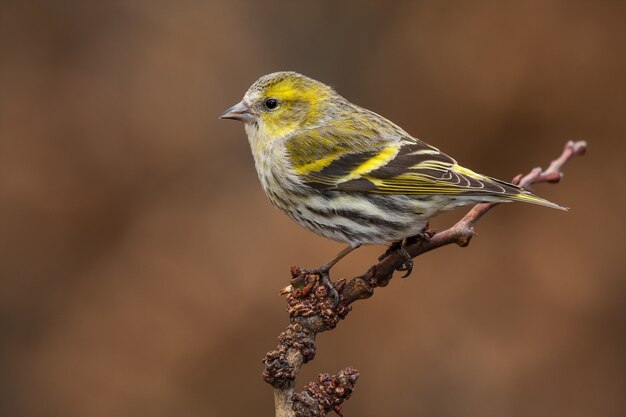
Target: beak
[241,112]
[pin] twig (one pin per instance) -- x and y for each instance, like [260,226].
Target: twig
[312,311]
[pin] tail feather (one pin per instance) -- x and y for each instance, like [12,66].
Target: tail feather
[515,193]
[531,198]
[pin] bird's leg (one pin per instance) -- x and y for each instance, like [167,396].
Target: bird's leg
[391,249]
[352,246]
[323,271]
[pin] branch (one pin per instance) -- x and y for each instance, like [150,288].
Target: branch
[312,310]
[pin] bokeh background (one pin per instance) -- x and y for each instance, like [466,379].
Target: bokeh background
[140,261]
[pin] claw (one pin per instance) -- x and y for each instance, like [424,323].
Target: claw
[407,265]
[398,246]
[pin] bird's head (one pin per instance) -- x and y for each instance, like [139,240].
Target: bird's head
[282,102]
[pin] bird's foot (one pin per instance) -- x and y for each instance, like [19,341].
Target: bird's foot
[408,241]
[407,265]
[400,245]
[323,272]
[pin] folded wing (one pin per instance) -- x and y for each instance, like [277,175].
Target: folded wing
[342,160]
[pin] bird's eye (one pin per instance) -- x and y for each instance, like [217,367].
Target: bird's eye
[271,103]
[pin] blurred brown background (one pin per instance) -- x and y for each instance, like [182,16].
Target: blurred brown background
[140,261]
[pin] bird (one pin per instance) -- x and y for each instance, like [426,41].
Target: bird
[349,174]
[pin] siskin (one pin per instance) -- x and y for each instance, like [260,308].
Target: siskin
[349,174]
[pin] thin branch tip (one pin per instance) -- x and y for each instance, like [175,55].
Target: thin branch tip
[579,147]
